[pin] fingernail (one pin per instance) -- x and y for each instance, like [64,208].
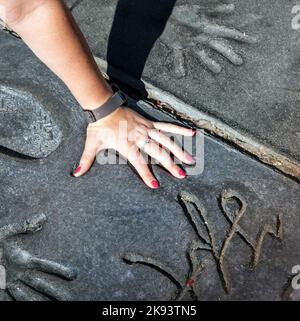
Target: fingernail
[181,173]
[190,159]
[154,184]
[76,170]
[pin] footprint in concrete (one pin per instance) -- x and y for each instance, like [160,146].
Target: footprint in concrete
[27,125]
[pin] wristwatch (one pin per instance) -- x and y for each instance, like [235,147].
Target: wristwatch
[112,104]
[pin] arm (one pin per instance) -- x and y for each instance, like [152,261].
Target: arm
[48,28]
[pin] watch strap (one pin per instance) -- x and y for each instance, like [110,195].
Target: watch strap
[112,104]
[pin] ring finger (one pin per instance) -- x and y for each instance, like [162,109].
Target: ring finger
[174,148]
[162,156]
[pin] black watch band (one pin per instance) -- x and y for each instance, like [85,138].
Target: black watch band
[113,103]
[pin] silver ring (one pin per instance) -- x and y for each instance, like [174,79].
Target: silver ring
[147,141]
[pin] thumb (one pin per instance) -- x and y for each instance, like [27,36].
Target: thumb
[87,160]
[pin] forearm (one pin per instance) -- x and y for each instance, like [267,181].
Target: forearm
[50,31]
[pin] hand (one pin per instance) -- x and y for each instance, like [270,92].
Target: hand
[26,283]
[127,132]
[22,278]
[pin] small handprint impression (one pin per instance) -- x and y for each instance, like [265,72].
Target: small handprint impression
[197,30]
[27,277]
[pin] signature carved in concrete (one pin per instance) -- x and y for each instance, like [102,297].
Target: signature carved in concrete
[24,280]
[206,241]
[194,30]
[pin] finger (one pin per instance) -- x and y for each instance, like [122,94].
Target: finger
[21,292]
[53,268]
[30,226]
[25,259]
[137,160]
[179,63]
[87,159]
[225,50]
[208,62]
[174,148]
[222,9]
[163,157]
[174,129]
[225,32]
[45,287]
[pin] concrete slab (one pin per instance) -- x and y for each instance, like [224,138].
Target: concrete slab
[100,223]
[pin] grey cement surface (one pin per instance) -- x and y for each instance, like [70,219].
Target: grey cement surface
[21,107]
[251,84]
[97,220]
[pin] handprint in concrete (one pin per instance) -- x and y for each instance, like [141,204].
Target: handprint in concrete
[29,278]
[196,30]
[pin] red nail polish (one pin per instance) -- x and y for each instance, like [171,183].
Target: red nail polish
[182,173]
[154,184]
[78,169]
